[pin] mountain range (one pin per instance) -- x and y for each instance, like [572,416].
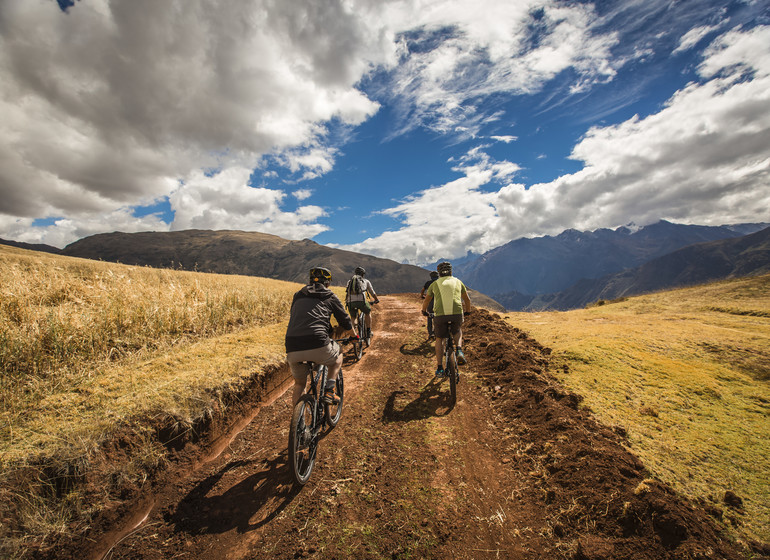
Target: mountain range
[520,273]
[695,264]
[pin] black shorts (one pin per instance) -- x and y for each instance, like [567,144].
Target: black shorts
[364,306]
[441,324]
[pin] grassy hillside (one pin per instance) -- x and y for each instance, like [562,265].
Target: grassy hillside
[88,349]
[686,373]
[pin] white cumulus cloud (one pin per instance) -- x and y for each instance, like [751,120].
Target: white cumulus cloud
[704,158]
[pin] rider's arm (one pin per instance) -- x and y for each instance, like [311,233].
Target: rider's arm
[370,290]
[466,301]
[426,302]
[343,319]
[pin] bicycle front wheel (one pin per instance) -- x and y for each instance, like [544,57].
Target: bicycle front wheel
[334,411]
[303,440]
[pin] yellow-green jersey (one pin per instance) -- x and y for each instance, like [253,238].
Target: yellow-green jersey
[447,294]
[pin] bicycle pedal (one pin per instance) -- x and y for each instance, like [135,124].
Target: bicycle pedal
[330,398]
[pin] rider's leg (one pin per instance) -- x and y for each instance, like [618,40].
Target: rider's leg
[299,371]
[439,351]
[458,337]
[330,395]
[334,369]
[296,392]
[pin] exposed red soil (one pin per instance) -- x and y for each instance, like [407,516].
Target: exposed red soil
[517,469]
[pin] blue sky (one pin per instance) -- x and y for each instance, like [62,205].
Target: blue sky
[408,129]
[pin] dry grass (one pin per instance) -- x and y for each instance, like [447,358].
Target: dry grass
[686,373]
[87,348]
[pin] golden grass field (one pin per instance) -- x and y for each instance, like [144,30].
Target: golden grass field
[686,372]
[87,347]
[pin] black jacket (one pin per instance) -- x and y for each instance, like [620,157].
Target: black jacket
[309,324]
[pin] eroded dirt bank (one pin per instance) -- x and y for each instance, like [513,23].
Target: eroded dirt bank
[515,470]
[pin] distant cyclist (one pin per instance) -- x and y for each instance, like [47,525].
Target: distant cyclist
[433,278]
[450,303]
[308,336]
[358,293]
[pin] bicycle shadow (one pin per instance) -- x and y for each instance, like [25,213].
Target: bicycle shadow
[262,496]
[431,402]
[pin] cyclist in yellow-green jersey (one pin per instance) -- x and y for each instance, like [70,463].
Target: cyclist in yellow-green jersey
[450,303]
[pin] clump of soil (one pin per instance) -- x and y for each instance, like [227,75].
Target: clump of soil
[597,493]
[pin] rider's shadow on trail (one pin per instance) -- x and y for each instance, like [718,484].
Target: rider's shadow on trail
[248,505]
[431,401]
[424,348]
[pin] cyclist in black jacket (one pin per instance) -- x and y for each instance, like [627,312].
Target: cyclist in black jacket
[308,336]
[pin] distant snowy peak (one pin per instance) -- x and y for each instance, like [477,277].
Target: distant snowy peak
[629,228]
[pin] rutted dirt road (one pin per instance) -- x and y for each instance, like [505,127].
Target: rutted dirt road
[515,470]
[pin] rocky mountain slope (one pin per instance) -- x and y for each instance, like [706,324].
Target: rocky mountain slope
[696,264]
[544,265]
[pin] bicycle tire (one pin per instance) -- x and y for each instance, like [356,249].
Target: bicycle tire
[334,411]
[358,345]
[451,370]
[303,444]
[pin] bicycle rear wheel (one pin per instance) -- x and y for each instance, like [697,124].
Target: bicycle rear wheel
[334,411]
[451,371]
[358,345]
[303,440]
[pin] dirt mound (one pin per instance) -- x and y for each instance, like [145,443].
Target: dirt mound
[598,496]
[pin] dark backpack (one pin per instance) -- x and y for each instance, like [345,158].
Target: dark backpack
[356,285]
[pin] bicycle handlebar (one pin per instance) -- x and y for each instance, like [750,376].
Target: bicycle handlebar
[430,314]
[346,340]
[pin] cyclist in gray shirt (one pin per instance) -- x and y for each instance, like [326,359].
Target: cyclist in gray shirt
[308,336]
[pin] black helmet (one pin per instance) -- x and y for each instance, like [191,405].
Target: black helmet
[319,275]
[359,270]
[433,275]
[444,269]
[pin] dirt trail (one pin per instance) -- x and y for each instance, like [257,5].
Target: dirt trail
[514,470]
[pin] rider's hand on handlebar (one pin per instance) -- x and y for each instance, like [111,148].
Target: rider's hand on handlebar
[466,313]
[425,313]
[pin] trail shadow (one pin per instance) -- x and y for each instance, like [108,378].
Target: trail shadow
[431,401]
[424,348]
[261,496]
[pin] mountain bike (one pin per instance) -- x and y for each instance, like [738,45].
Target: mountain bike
[450,360]
[364,337]
[309,417]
